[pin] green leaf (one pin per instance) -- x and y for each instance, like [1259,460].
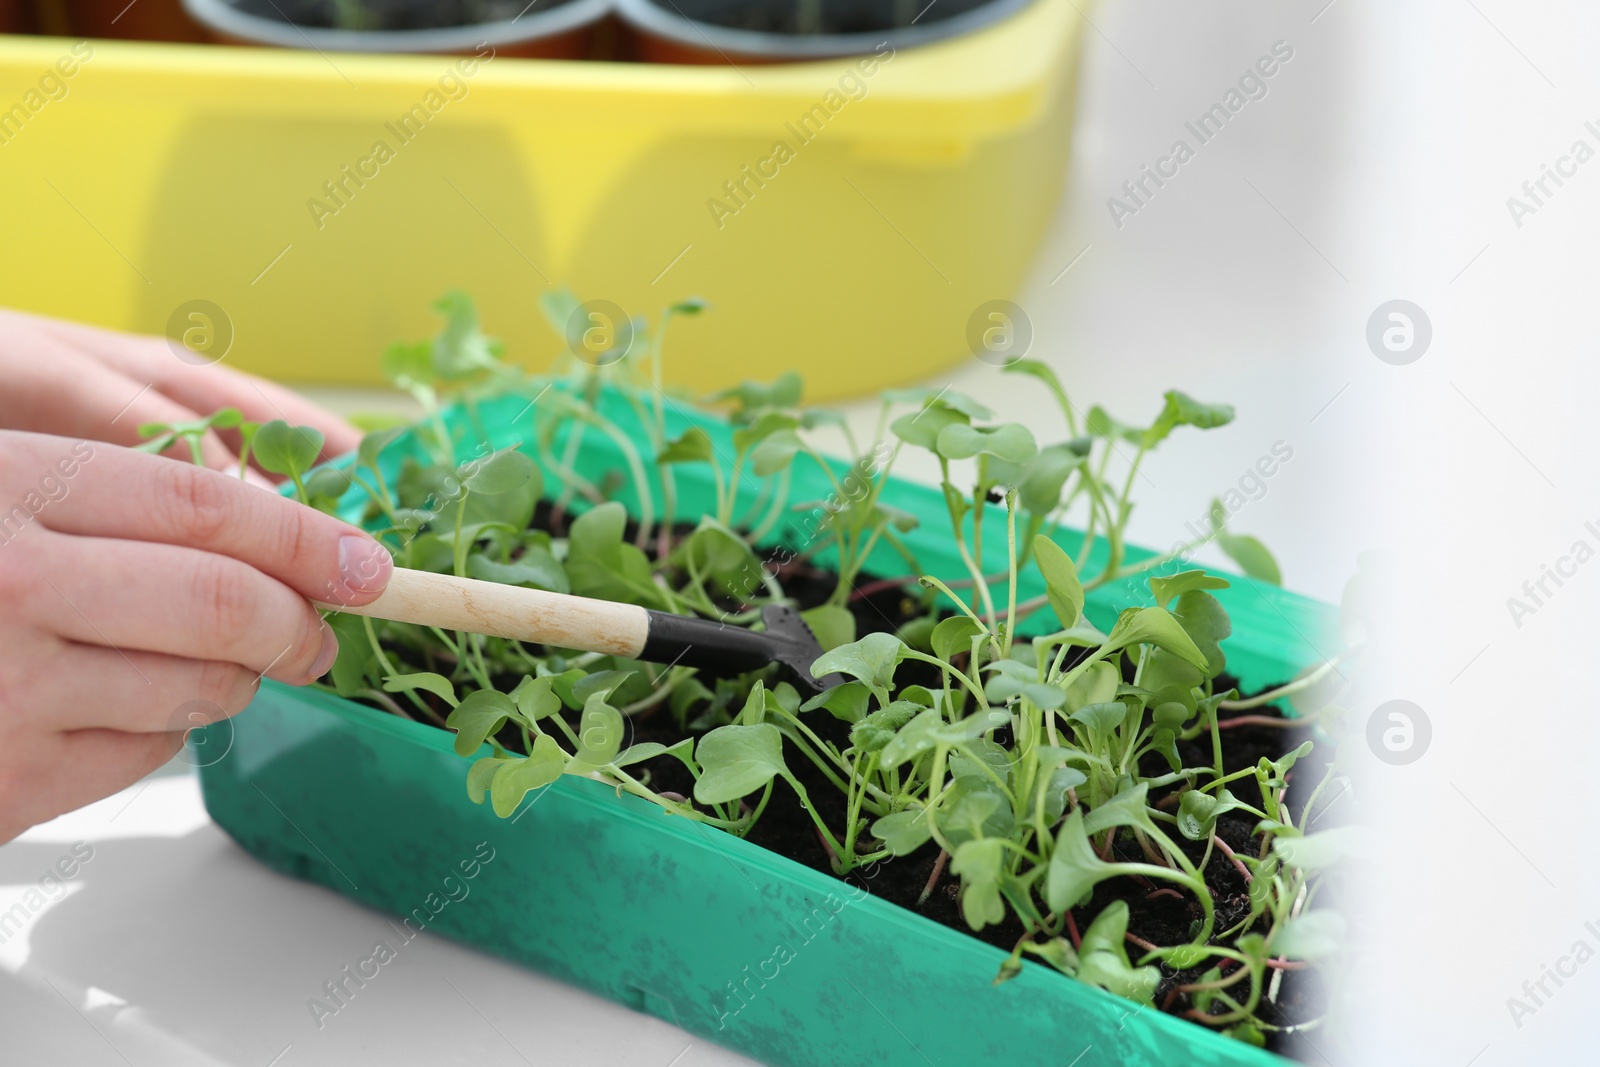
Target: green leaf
[923,428]
[602,683]
[558,306]
[832,625]
[374,443]
[1040,370]
[735,761]
[1128,808]
[903,832]
[1101,424]
[973,807]
[847,702]
[917,736]
[903,521]
[1009,678]
[1055,791]
[600,565]
[764,426]
[716,552]
[1045,476]
[1168,718]
[600,734]
[287,450]
[1177,584]
[917,633]
[1010,441]
[755,705]
[1061,580]
[460,349]
[1183,410]
[954,635]
[1317,851]
[979,754]
[482,773]
[979,864]
[1252,557]
[875,731]
[436,684]
[478,718]
[409,366]
[1247,1032]
[683,752]
[1313,935]
[1057,952]
[1074,868]
[694,446]
[536,567]
[1103,958]
[1097,685]
[535,698]
[1205,620]
[928,729]
[326,487]
[1100,719]
[500,472]
[1155,626]
[1281,766]
[751,397]
[775,452]
[349,670]
[516,778]
[872,660]
[1198,812]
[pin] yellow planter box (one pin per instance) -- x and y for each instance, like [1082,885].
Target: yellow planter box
[844,217]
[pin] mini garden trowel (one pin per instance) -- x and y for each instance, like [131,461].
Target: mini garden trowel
[589,625]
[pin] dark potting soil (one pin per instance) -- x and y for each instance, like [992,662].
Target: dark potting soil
[389,14]
[799,17]
[1157,915]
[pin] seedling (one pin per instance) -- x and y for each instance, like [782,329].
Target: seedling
[1059,766]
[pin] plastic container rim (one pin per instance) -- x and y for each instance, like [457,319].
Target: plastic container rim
[648,16]
[223,17]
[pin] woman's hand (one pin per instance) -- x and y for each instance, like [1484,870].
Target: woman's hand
[79,381]
[143,597]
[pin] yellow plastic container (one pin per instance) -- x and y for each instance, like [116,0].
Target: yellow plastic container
[909,191]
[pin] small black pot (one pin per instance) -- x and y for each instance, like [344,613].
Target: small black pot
[556,29]
[776,31]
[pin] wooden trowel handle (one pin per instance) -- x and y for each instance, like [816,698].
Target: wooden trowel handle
[496,610]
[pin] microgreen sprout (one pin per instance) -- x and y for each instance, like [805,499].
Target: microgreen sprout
[1048,763]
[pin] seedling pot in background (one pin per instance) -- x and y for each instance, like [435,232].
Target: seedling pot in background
[11,12]
[561,31]
[904,200]
[146,20]
[734,943]
[775,31]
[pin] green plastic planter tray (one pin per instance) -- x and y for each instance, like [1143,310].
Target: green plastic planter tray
[668,916]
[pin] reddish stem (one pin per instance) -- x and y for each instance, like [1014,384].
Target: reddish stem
[1072,931]
[1244,872]
[933,878]
[833,857]
[1165,891]
[1256,720]
[864,591]
[1142,943]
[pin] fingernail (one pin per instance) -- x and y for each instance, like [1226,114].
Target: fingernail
[329,653]
[364,565]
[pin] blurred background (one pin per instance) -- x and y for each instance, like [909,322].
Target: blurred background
[1441,473]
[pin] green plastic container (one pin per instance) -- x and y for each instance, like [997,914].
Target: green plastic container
[718,936]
